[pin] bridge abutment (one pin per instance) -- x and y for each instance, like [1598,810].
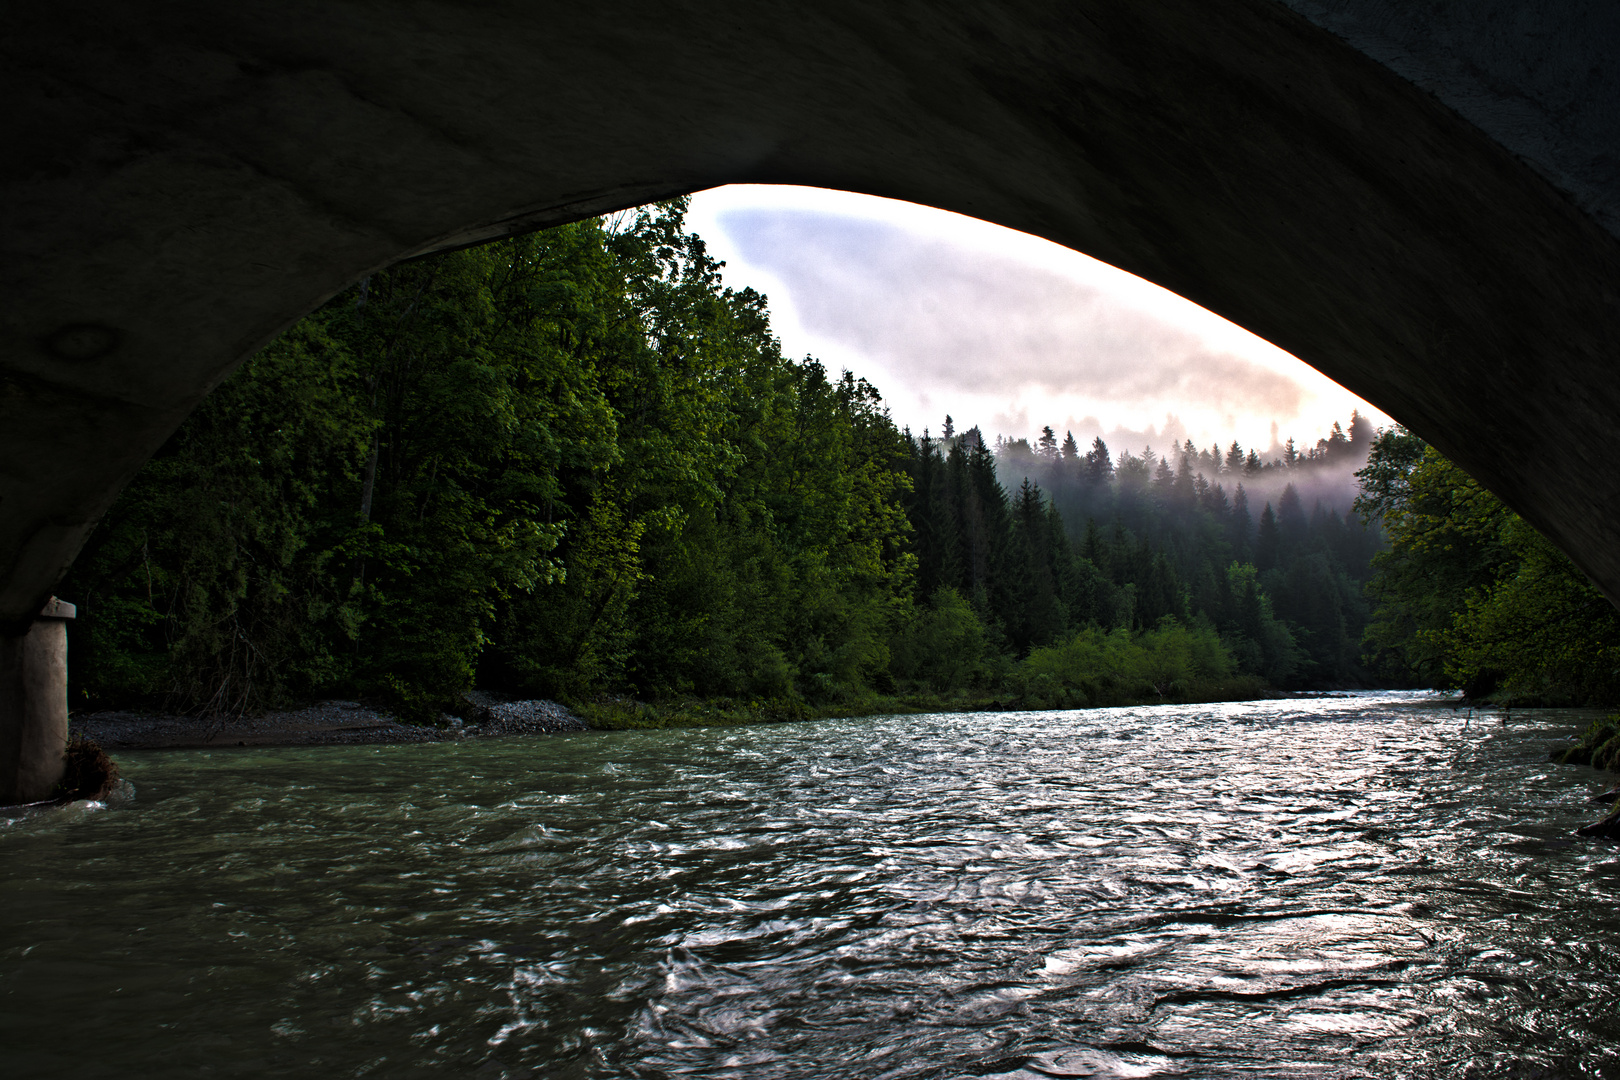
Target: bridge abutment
[33,706]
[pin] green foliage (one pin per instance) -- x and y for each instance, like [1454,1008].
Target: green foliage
[946,646]
[575,464]
[570,463]
[1470,596]
[1541,634]
[621,714]
[1171,662]
[217,578]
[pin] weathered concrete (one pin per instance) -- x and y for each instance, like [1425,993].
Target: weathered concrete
[182,179]
[34,706]
[1540,78]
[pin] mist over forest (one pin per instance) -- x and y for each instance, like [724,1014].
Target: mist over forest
[1324,473]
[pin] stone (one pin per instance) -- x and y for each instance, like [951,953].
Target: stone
[534,717]
[1607,829]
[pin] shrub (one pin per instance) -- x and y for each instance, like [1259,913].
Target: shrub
[1104,667]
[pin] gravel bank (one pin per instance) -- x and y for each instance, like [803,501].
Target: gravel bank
[323,723]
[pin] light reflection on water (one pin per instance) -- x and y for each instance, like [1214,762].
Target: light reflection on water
[1365,887]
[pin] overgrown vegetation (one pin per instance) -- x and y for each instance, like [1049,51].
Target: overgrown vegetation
[1470,596]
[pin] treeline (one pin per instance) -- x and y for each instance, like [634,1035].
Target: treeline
[575,464]
[1335,453]
[1086,540]
[1470,596]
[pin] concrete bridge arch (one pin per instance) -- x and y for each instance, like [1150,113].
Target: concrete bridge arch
[1423,204]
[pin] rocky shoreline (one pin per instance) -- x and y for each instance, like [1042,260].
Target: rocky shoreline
[322,723]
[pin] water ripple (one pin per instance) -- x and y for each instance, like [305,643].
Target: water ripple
[1373,886]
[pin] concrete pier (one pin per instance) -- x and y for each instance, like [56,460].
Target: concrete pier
[33,706]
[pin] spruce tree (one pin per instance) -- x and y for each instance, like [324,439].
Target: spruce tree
[1099,464]
[1361,435]
[1164,482]
[1291,523]
[1267,542]
[1338,444]
[1240,527]
[1185,491]
[1234,459]
[1093,549]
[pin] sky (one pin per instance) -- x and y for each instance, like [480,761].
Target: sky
[949,314]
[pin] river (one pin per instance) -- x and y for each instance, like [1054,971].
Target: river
[1366,886]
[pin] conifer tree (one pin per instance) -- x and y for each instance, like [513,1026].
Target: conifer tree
[1234,459]
[1185,491]
[1291,523]
[1164,481]
[1362,434]
[1267,541]
[1035,614]
[1241,528]
[1338,444]
[1093,549]
[1099,464]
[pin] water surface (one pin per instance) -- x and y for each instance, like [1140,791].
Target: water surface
[1363,887]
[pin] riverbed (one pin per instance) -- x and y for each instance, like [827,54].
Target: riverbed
[1376,885]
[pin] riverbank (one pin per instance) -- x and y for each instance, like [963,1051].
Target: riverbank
[351,723]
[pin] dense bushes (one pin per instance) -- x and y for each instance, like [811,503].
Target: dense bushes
[1470,596]
[1172,662]
[946,647]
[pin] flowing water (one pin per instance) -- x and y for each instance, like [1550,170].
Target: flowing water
[1376,886]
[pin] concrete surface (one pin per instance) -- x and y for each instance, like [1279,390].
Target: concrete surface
[33,706]
[1416,199]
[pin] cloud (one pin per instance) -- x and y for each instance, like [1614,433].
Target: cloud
[956,319]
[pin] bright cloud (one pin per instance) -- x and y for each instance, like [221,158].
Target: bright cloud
[948,314]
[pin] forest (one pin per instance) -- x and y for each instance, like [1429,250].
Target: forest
[1470,596]
[575,464]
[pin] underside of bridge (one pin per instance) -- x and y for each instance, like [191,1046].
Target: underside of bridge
[1423,204]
